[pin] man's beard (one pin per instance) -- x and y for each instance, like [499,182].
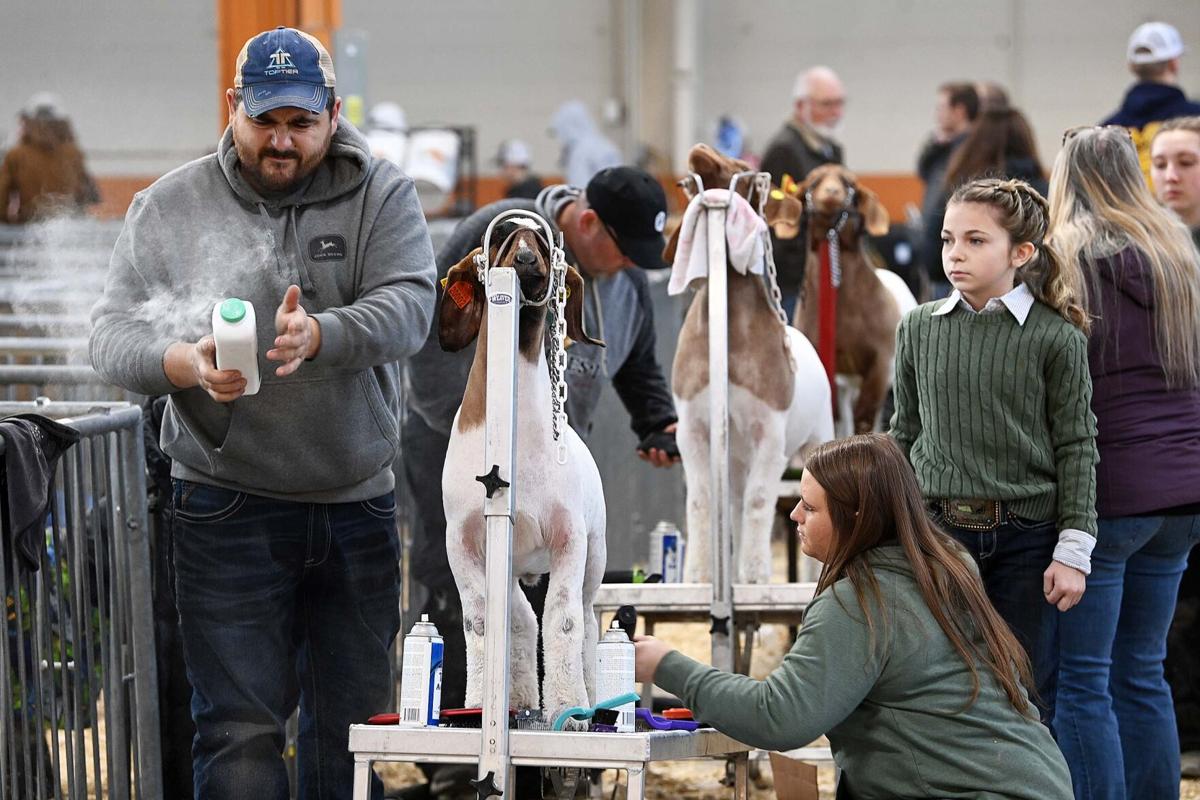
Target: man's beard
[274,181]
[828,131]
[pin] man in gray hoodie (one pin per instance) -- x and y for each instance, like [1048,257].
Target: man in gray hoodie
[285,550]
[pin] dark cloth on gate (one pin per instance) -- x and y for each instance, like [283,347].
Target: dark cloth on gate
[32,446]
[1148,435]
[795,151]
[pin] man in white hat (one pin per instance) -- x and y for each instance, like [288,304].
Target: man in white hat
[516,165]
[1153,54]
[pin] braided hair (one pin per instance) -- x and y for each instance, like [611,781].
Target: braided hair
[1024,215]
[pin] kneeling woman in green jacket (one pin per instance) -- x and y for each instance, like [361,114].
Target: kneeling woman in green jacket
[902,661]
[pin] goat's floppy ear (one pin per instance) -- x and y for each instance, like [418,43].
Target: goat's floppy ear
[672,244]
[783,211]
[575,309]
[875,216]
[461,310]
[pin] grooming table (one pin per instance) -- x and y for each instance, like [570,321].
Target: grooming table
[631,752]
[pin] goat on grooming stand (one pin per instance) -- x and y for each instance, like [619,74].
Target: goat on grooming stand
[559,523]
[779,400]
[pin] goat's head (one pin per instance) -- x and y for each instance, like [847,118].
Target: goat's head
[831,190]
[518,243]
[781,210]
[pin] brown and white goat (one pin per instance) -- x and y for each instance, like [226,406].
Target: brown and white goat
[560,516]
[779,399]
[870,301]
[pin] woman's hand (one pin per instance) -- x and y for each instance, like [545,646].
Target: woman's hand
[1063,586]
[649,652]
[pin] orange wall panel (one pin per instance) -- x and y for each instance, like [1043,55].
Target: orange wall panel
[238,20]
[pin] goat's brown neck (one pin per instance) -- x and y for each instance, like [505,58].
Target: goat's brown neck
[864,303]
[530,331]
[758,359]
[858,276]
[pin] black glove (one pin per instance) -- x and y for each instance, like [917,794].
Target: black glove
[660,440]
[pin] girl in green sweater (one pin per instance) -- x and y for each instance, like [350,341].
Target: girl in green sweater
[992,409]
[902,661]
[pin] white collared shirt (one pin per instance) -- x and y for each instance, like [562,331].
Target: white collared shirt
[1019,301]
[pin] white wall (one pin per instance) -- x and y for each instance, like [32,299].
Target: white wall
[139,77]
[503,67]
[1063,62]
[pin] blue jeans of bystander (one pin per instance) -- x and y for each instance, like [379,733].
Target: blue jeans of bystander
[1011,560]
[1115,721]
[282,603]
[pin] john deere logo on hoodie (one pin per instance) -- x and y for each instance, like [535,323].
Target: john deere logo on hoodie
[330,247]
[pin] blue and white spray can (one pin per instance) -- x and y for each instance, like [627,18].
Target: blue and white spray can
[615,661]
[667,549]
[421,676]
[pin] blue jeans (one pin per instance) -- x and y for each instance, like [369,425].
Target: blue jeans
[1115,720]
[1011,560]
[282,603]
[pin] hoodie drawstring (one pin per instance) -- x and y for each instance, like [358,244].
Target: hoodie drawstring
[306,285]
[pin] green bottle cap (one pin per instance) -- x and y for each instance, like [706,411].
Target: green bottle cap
[233,310]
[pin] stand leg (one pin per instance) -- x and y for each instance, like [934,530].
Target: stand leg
[362,778]
[741,776]
[636,788]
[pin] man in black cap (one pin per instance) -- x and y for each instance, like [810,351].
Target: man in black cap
[615,224]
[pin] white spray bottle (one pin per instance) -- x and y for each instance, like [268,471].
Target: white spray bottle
[237,339]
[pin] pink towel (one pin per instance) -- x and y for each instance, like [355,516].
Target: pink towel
[744,230]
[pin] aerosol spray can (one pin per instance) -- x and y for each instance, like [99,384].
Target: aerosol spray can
[667,552]
[421,675]
[614,672]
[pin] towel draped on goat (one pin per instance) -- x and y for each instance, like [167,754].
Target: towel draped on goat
[744,231]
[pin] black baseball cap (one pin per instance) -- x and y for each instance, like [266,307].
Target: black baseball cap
[633,206]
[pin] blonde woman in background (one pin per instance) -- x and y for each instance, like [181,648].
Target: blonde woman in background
[1136,273]
[1175,170]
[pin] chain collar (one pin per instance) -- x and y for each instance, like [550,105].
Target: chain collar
[553,244]
[833,234]
[556,288]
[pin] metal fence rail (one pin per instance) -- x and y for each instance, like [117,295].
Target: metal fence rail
[78,682]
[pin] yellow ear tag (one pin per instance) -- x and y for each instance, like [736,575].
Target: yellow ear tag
[777,195]
[789,185]
[445,281]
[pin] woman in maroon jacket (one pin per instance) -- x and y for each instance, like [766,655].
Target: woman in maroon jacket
[1139,274]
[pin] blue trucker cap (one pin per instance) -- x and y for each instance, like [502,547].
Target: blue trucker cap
[283,67]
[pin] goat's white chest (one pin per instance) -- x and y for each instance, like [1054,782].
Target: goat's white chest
[545,492]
